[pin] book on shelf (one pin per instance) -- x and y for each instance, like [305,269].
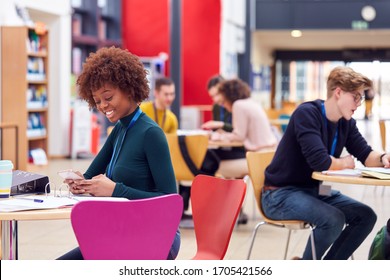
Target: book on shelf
[36,97]
[36,69]
[38,156]
[102,29]
[35,125]
[77,25]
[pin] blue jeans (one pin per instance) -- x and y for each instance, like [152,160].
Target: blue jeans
[341,223]
[75,254]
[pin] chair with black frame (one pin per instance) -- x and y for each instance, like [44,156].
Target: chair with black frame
[187,155]
[257,163]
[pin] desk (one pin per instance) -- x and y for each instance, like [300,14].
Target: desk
[9,227]
[212,144]
[350,180]
[223,144]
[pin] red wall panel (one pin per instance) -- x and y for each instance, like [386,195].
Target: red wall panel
[200,46]
[145,26]
[146,33]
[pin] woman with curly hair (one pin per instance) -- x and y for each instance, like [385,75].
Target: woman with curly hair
[134,162]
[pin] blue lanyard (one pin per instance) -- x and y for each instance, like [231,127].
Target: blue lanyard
[334,142]
[115,154]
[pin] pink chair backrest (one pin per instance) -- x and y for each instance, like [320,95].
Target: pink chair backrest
[216,203]
[141,229]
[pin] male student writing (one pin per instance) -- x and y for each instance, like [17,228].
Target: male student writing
[316,135]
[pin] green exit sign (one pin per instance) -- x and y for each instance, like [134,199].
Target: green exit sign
[359,24]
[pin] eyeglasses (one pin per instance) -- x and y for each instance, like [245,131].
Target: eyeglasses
[357,97]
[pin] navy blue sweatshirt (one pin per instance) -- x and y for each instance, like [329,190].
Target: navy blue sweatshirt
[306,146]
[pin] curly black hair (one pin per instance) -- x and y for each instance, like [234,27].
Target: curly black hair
[116,67]
[234,89]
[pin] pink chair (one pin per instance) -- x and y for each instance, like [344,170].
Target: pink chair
[142,229]
[216,203]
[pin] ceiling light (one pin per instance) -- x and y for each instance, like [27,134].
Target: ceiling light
[368,13]
[296,33]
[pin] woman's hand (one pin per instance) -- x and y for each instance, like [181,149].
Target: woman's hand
[99,185]
[212,125]
[73,186]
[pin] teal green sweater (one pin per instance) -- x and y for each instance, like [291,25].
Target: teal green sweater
[144,168]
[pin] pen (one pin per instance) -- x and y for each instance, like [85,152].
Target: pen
[33,199]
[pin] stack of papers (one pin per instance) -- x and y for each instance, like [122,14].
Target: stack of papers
[371,172]
[37,202]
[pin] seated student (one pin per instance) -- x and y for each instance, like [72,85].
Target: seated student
[315,137]
[134,162]
[158,109]
[250,126]
[221,118]
[250,123]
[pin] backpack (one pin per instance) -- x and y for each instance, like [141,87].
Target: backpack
[380,247]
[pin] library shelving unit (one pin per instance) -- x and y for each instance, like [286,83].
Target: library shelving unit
[95,24]
[24,90]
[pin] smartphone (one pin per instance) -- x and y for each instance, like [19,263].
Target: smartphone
[69,174]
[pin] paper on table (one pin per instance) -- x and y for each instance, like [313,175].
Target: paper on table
[192,132]
[376,169]
[376,175]
[50,202]
[343,172]
[97,198]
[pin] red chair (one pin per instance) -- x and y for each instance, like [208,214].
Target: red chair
[216,203]
[142,229]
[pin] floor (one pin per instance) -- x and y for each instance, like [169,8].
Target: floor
[47,240]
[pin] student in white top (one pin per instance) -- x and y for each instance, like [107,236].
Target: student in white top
[250,126]
[250,123]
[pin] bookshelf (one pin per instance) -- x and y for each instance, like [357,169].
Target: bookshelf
[95,24]
[24,90]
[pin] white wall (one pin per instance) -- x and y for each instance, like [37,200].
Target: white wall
[56,14]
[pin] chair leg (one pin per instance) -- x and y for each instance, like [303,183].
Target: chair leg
[287,244]
[253,238]
[313,248]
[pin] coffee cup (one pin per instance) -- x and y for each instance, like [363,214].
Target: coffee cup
[6,167]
